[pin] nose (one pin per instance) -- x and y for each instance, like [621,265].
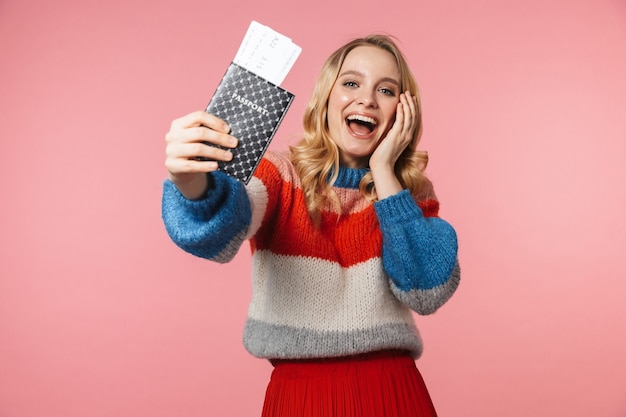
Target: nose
[367,98]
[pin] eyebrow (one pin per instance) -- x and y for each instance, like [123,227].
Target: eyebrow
[360,74]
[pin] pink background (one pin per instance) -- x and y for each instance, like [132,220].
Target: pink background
[525,122]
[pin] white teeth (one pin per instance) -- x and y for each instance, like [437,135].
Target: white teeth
[362,119]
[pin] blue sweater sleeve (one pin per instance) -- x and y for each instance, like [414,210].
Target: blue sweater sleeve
[213,227]
[419,253]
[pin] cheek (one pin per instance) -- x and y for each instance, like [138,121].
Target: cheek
[336,104]
[390,118]
[390,113]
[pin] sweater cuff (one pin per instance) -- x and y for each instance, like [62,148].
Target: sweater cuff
[220,186]
[398,208]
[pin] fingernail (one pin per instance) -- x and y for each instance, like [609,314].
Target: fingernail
[232,142]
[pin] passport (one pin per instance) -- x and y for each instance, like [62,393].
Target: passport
[254,109]
[249,97]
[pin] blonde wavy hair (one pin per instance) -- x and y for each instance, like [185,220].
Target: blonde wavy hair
[316,156]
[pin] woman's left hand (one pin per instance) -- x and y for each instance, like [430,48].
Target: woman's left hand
[384,158]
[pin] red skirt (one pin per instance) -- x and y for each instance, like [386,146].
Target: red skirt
[380,384]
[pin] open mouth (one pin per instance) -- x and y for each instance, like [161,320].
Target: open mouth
[361,125]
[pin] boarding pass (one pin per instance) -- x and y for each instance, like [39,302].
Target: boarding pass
[267,53]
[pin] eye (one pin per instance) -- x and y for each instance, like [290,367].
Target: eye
[388,91]
[350,84]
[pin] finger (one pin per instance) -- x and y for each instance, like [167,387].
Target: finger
[189,166]
[205,135]
[400,116]
[403,119]
[200,118]
[410,108]
[197,150]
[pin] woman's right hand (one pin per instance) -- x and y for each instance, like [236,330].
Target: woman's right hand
[190,154]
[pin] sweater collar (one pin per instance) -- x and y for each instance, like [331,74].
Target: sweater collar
[350,177]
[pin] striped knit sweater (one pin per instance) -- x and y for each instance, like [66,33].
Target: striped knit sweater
[345,287]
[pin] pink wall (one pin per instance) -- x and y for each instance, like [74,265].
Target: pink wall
[525,112]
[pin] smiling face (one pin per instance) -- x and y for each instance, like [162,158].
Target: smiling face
[362,103]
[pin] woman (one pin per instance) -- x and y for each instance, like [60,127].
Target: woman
[345,236]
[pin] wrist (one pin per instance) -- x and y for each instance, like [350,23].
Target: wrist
[386,182]
[191,186]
